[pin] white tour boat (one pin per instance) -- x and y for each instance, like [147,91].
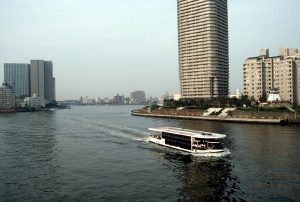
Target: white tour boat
[196,142]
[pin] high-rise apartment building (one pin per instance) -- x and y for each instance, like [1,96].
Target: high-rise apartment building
[264,73]
[41,79]
[37,78]
[203,48]
[137,97]
[18,76]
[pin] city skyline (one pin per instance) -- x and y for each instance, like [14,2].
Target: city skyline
[99,49]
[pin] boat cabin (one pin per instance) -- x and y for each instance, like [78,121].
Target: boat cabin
[189,140]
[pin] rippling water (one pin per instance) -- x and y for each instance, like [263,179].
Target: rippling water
[100,153]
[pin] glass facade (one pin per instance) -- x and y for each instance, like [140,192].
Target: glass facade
[177,140]
[17,76]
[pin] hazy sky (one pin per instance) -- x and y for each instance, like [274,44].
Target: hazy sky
[100,48]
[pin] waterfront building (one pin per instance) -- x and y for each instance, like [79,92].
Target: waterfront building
[263,74]
[137,97]
[41,79]
[35,102]
[7,98]
[87,101]
[17,75]
[203,48]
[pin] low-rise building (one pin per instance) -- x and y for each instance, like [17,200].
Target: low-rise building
[35,102]
[7,98]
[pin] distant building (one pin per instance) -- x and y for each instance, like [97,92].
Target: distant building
[99,100]
[127,100]
[264,73]
[81,100]
[7,98]
[35,102]
[17,75]
[236,94]
[153,100]
[203,48]
[41,79]
[119,99]
[177,96]
[137,97]
[86,100]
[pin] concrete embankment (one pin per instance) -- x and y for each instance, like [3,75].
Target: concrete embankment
[227,119]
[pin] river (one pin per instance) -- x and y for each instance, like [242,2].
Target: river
[101,153]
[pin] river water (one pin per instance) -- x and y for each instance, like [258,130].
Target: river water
[100,153]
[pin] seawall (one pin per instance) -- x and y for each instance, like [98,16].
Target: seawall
[220,119]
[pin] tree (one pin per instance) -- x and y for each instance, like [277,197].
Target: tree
[53,103]
[263,98]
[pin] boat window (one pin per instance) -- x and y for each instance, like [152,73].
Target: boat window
[177,140]
[215,145]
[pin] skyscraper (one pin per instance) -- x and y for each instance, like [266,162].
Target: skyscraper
[203,48]
[37,78]
[49,84]
[18,76]
[41,78]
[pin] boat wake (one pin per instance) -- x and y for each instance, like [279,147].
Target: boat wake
[114,130]
[220,154]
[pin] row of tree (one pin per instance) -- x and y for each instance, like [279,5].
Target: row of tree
[213,102]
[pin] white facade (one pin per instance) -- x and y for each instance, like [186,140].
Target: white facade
[177,96]
[236,94]
[274,96]
[35,102]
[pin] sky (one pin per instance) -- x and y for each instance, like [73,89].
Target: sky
[100,48]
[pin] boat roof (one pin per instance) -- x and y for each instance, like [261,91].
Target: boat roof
[190,133]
